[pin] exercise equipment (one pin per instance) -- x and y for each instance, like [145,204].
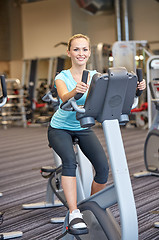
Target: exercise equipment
[3,100]
[151,146]
[99,58]
[84,172]
[109,101]
[84,179]
[36,74]
[152,73]
[13,113]
[128,53]
[140,115]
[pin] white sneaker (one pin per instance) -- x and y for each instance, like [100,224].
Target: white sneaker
[76,214]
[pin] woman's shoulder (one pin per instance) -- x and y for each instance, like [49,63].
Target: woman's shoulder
[92,72]
[63,74]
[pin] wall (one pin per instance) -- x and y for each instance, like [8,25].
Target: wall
[145,20]
[4,68]
[15,30]
[100,28]
[143,23]
[79,19]
[32,30]
[10,31]
[15,69]
[4,31]
[45,24]
[59,23]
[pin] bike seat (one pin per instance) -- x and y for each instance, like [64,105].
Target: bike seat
[75,140]
[47,171]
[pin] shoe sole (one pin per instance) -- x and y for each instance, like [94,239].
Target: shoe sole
[78,231]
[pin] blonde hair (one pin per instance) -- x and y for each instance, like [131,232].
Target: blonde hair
[75,37]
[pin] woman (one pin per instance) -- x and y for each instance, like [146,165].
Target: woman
[64,127]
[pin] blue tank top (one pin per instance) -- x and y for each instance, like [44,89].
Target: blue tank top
[67,119]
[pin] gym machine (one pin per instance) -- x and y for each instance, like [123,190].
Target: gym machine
[13,113]
[109,101]
[151,146]
[36,80]
[133,55]
[84,173]
[3,100]
[130,54]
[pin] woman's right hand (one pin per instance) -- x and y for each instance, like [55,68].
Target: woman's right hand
[81,87]
[63,92]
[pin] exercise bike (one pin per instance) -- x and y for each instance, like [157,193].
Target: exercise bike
[109,101]
[3,100]
[151,146]
[54,193]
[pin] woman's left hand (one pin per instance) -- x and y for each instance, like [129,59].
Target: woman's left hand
[141,85]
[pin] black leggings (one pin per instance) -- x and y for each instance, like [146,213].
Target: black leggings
[61,141]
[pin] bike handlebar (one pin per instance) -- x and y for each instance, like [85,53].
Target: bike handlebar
[140,78]
[84,79]
[3,98]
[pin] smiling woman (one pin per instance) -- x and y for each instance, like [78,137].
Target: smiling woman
[79,52]
[64,127]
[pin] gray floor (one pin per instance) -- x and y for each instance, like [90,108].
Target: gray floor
[24,151]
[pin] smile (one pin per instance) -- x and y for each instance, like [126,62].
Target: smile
[81,59]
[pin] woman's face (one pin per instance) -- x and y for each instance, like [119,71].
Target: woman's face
[79,51]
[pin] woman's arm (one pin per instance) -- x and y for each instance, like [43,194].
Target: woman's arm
[63,92]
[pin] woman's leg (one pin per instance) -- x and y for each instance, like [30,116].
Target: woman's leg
[61,142]
[96,187]
[69,187]
[93,150]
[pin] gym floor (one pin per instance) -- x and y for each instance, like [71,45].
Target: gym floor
[22,153]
